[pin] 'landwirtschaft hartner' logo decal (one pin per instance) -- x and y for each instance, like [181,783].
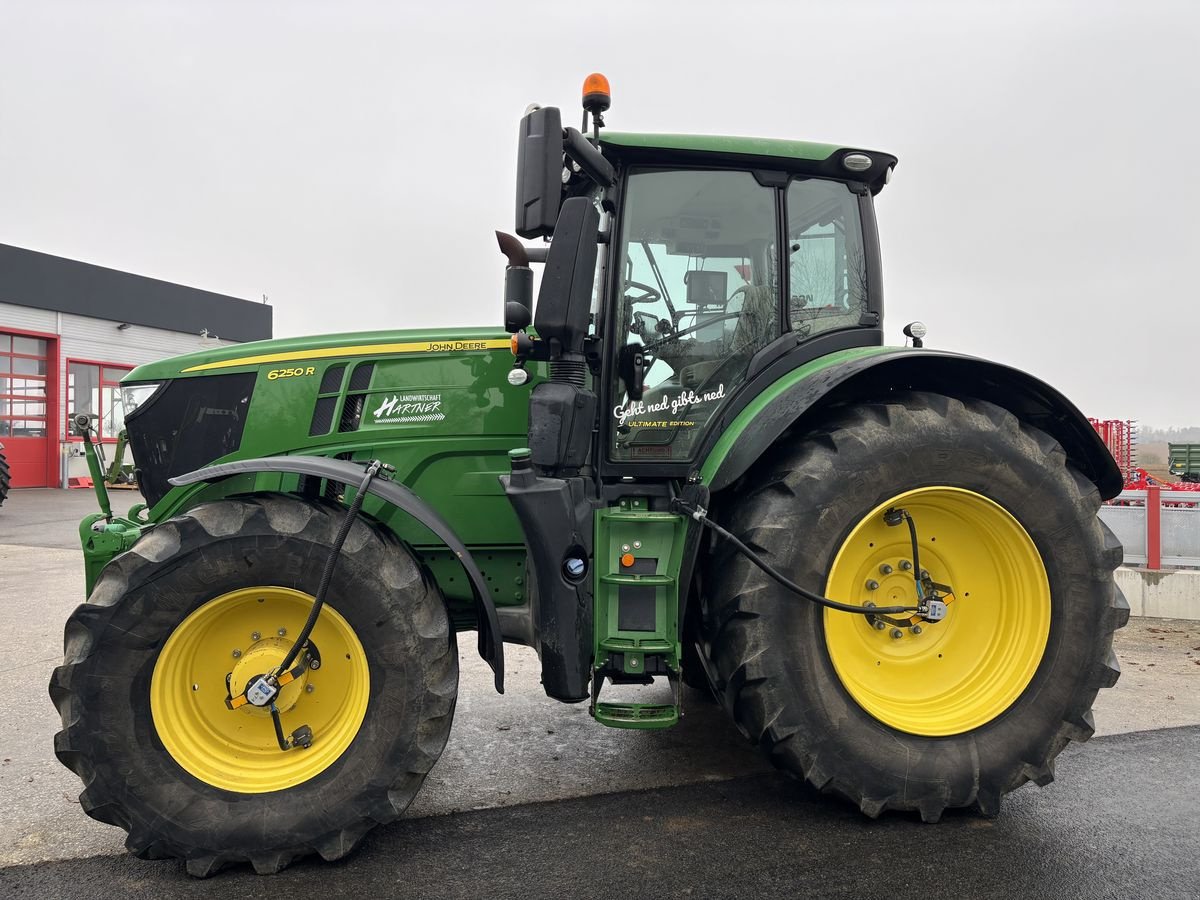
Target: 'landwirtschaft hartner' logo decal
[405,408]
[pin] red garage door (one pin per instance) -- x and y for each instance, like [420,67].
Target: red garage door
[27,392]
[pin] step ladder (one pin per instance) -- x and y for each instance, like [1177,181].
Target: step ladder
[637,614]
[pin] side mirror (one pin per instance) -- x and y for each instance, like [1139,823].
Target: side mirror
[539,172]
[631,366]
[565,299]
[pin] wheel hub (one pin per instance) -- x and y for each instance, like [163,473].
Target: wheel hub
[263,657]
[893,585]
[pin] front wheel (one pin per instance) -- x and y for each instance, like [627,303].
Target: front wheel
[907,714]
[198,608]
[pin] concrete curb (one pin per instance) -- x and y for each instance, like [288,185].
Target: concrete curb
[1162,593]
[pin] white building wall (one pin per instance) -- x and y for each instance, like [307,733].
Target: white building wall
[23,318]
[86,339]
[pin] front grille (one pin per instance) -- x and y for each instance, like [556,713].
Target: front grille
[322,417]
[352,413]
[332,380]
[360,380]
[187,425]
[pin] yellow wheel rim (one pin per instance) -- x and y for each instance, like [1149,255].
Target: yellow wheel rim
[962,672]
[239,634]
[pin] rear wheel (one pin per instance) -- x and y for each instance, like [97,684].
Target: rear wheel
[945,714]
[201,605]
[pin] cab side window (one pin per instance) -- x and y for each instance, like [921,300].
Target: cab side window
[827,270]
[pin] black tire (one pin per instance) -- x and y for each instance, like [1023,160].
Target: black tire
[768,648]
[5,476]
[102,690]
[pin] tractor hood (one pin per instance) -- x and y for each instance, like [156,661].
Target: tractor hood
[335,395]
[309,350]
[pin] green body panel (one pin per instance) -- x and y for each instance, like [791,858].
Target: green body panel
[1184,459]
[745,419]
[722,144]
[102,539]
[647,536]
[453,418]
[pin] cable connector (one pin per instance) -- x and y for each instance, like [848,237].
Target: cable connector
[262,692]
[932,610]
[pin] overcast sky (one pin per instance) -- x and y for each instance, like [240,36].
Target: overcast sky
[351,160]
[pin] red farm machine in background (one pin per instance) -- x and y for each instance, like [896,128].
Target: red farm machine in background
[1120,436]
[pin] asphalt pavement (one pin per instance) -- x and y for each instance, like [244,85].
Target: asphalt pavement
[1120,822]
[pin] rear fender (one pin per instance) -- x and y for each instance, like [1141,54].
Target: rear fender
[491,646]
[800,395]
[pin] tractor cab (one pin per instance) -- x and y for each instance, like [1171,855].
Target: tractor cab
[717,256]
[682,274]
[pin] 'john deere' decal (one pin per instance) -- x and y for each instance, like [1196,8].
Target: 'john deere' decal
[400,409]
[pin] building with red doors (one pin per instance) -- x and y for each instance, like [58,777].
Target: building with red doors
[69,331]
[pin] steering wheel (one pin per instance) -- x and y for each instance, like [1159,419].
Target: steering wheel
[648,293]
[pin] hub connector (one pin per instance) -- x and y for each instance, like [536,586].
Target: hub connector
[933,610]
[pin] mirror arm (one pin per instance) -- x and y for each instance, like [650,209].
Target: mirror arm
[590,160]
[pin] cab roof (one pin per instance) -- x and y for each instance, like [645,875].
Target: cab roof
[803,157]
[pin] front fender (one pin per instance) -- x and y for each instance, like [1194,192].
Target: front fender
[872,373]
[491,645]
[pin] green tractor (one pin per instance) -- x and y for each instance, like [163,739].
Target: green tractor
[694,462]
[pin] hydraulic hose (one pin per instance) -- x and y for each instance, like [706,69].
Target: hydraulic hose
[327,574]
[700,515]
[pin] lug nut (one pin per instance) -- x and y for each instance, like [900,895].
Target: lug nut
[872,584]
[254,635]
[897,634]
[308,689]
[282,632]
[637,545]
[924,573]
[870,604]
[237,654]
[315,664]
[885,569]
[905,565]
[879,626]
[916,629]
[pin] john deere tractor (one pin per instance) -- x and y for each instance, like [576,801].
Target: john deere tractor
[692,461]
